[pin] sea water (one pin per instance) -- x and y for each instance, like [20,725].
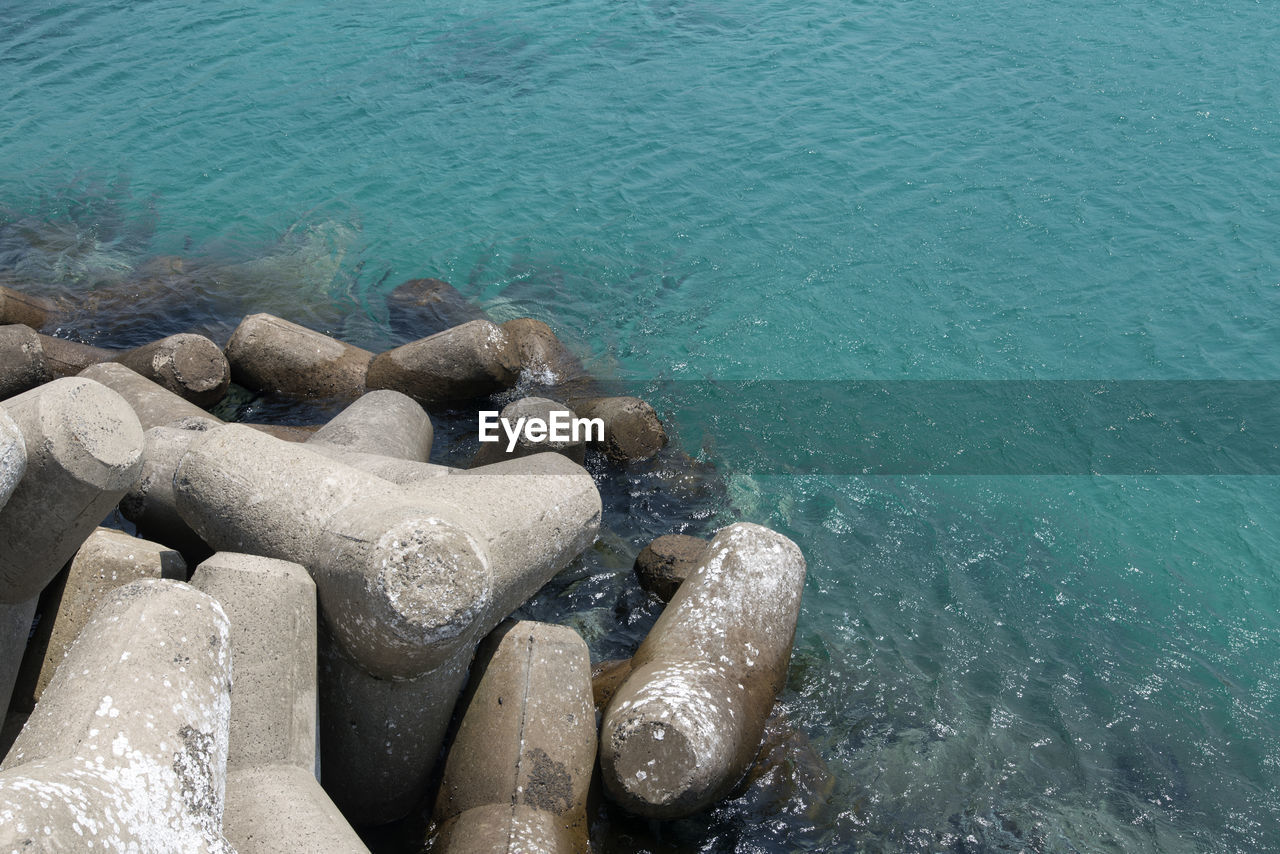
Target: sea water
[695,192]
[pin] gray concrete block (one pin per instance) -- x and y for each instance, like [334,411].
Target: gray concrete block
[664,564]
[268,353]
[544,360]
[15,628]
[383,422]
[502,829]
[380,738]
[398,471]
[408,579]
[401,573]
[274,799]
[150,503]
[84,449]
[23,364]
[127,749]
[13,457]
[106,560]
[272,607]
[462,363]
[190,366]
[281,809]
[154,405]
[421,307]
[632,429]
[683,727]
[528,731]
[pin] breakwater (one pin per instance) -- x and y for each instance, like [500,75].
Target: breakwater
[348,581]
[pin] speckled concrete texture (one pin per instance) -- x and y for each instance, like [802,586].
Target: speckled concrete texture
[107,560]
[84,449]
[527,736]
[268,353]
[274,800]
[462,363]
[152,403]
[381,422]
[682,728]
[23,364]
[127,750]
[13,457]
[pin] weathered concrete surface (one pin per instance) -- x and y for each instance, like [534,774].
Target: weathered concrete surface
[23,364]
[502,829]
[268,353]
[287,432]
[632,430]
[379,738]
[274,800]
[544,359]
[666,562]
[683,727]
[272,607]
[381,422]
[190,366]
[150,503]
[462,363]
[409,580]
[84,449]
[127,750]
[527,737]
[281,809]
[397,471]
[27,309]
[539,408]
[15,627]
[154,405]
[393,577]
[402,573]
[107,560]
[13,457]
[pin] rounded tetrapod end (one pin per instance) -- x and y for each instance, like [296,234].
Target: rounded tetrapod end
[663,768]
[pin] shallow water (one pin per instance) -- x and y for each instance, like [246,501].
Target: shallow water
[702,191]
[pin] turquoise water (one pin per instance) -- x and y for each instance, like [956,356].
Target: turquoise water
[690,191]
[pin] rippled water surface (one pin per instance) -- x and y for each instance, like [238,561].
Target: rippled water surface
[737,191]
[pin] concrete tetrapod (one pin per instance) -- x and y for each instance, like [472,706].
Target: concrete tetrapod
[151,505]
[15,620]
[682,728]
[107,560]
[268,353]
[188,365]
[13,457]
[409,579]
[127,750]
[22,362]
[274,802]
[526,743]
[403,573]
[465,362]
[381,422]
[154,404]
[84,449]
